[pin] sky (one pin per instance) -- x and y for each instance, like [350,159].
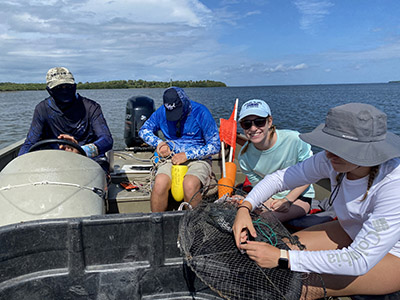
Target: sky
[239,42]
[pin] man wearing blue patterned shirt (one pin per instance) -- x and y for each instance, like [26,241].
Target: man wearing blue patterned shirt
[191,137]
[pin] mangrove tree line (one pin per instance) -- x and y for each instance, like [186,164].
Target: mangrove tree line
[115,84]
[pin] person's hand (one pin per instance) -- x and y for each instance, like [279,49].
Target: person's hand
[70,138]
[281,205]
[163,149]
[179,158]
[243,224]
[268,203]
[235,200]
[265,255]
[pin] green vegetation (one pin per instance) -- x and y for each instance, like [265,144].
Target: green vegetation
[116,84]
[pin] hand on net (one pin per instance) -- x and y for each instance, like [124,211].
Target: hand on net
[265,255]
[243,224]
[235,200]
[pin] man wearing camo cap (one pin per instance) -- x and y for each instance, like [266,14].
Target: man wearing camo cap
[68,116]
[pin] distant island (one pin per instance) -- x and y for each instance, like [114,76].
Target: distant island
[394,81]
[115,84]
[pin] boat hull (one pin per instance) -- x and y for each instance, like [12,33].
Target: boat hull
[132,256]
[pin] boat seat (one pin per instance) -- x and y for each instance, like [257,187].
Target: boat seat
[110,159]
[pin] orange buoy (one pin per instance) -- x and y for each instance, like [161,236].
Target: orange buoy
[225,186]
[230,168]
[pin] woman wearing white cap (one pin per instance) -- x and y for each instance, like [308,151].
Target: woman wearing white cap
[269,149]
[360,252]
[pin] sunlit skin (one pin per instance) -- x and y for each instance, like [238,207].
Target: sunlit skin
[324,236]
[162,184]
[343,166]
[262,140]
[70,138]
[260,136]
[266,255]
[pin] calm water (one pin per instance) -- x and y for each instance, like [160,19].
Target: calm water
[293,107]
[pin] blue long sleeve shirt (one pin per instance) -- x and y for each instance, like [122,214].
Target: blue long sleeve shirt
[84,121]
[199,133]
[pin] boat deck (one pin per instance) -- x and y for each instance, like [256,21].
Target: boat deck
[136,168]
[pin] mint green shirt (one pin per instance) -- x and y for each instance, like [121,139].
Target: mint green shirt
[288,150]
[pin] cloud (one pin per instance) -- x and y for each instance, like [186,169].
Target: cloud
[282,68]
[383,52]
[312,12]
[189,12]
[252,13]
[99,35]
[262,68]
[228,40]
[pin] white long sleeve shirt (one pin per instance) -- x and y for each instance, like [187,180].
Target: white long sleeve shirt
[373,224]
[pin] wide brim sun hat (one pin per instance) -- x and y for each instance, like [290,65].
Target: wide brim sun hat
[356,132]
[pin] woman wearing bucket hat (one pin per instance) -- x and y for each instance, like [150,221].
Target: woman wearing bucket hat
[269,149]
[360,252]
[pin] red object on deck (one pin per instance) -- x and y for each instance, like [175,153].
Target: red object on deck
[129,186]
[247,185]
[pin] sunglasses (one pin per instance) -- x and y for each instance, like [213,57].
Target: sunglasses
[259,122]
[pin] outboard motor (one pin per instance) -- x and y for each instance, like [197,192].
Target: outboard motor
[138,110]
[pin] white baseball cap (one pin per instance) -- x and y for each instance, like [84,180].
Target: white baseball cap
[255,107]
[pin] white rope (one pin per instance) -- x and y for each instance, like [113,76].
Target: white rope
[156,162]
[121,154]
[96,190]
[183,204]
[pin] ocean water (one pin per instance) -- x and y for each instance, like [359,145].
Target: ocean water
[300,108]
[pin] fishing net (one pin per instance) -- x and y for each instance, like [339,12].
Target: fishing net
[208,247]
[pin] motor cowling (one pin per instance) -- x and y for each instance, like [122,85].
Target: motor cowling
[138,110]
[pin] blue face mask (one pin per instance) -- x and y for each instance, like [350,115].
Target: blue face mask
[63,94]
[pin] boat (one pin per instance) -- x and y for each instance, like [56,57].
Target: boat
[79,238]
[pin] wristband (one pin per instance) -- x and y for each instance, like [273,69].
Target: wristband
[90,150]
[283,262]
[244,207]
[290,202]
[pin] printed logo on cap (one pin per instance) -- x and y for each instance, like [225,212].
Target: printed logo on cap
[170,106]
[253,104]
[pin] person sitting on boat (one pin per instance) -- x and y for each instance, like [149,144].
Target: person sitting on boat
[191,138]
[360,252]
[69,116]
[269,149]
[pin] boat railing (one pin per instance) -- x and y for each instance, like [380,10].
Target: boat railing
[10,152]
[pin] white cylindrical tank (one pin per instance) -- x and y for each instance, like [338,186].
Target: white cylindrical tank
[51,184]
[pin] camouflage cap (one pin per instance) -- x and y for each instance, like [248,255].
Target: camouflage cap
[59,75]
